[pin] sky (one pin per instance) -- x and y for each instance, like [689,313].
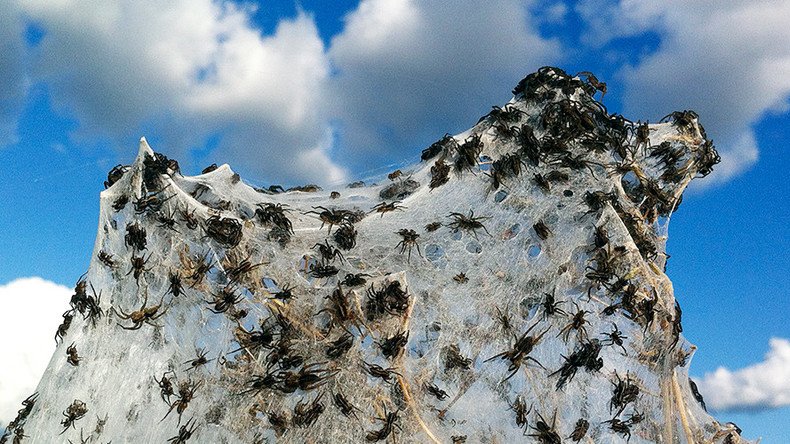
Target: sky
[330,92]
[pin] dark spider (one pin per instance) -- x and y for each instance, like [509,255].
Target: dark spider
[225,230]
[174,284]
[189,218]
[319,271]
[165,387]
[330,217]
[115,175]
[274,214]
[284,294]
[200,265]
[393,347]
[224,300]
[409,240]
[150,203]
[625,392]
[615,337]
[461,278]
[545,433]
[454,359]
[550,307]
[120,202]
[601,237]
[260,382]
[580,430]
[234,274]
[620,427]
[184,433]
[346,236]
[585,356]
[597,200]
[576,162]
[306,414]
[346,408]
[440,174]
[470,223]
[438,147]
[167,220]
[186,391]
[458,439]
[63,328]
[309,377]
[106,259]
[339,308]
[153,168]
[390,419]
[433,226]
[677,326]
[468,153]
[697,395]
[138,267]
[200,360]
[437,393]
[642,135]
[520,351]
[504,320]
[355,280]
[328,252]
[542,182]
[385,207]
[73,413]
[577,323]
[334,195]
[135,237]
[542,230]
[390,299]
[520,409]
[142,316]
[340,346]
[529,145]
[508,114]
[385,374]
[279,422]
[209,168]
[71,355]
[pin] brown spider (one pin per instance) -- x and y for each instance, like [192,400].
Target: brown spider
[520,351]
[186,391]
[470,223]
[142,316]
[593,81]
[542,230]
[190,218]
[328,252]
[138,267]
[385,207]
[235,273]
[199,266]
[184,433]
[433,226]
[174,284]
[71,355]
[135,237]
[395,175]
[306,414]
[346,408]
[330,217]
[522,412]
[390,419]
[224,300]
[225,230]
[274,214]
[393,347]
[461,278]
[582,425]
[165,387]
[199,361]
[440,174]
[309,377]
[546,434]
[409,240]
[74,412]
[386,374]
[577,323]
[106,259]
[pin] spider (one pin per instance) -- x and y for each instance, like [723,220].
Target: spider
[235,273]
[150,203]
[115,174]
[542,230]
[167,220]
[346,236]
[120,202]
[309,377]
[615,337]
[438,147]
[625,392]
[385,207]
[340,346]
[577,323]
[440,174]
[393,347]
[135,237]
[165,387]
[461,278]
[390,299]
[355,280]
[508,114]
[198,361]
[339,308]
[596,84]
[579,430]
[520,351]
[254,339]
[199,266]
[174,284]
[576,162]
[328,252]
[550,307]
[106,259]
[306,414]
[433,226]
[279,422]
[545,433]
[319,271]
[409,240]
[224,300]
[437,393]
[138,267]
[74,412]
[470,223]
[520,409]
[142,316]
[225,230]
[71,355]
[330,217]
[468,153]
[346,408]
[454,359]
[186,391]
[390,419]
[529,145]
[184,433]
[63,328]
[386,374]
[585,356]
[395,175]
[260,382]
[190,218]
[642,135]
[270,213]
[620,427]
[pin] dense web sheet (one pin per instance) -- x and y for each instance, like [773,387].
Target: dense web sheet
[418,309]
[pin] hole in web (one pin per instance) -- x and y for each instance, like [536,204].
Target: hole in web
[474,247]
[511,232]
[434,252]
[500,196]
[533,250]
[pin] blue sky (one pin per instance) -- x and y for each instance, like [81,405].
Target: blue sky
[315,91]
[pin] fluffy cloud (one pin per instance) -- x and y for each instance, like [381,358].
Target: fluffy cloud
[762,385]
[407,71]
[184,71]
[32,309]
[731,78]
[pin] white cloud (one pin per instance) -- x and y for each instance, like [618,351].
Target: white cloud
[185,70]
[408,71]
[729,61]
[32,309]
[762,385]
